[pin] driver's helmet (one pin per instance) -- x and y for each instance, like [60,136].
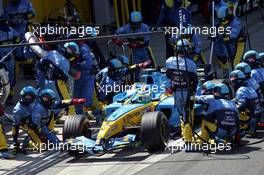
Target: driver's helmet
[144,97]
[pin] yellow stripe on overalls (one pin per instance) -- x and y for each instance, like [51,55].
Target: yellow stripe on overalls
[34,137]
[63,92]
[241,46]
[123,16]
[127,10]
[116,14]
[52,122]
[96,103]
[3,143]
[134,5]
[153,59]
[202,57]
[139,5]
[206,127]
[244,118]
[32,134]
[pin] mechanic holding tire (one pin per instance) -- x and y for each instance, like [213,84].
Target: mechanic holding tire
[43,113]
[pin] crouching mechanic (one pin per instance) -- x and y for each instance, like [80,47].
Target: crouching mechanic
[253,60]
[22,117]
[52,72]
[247,102]
[207,88]
[109,79]
[181,70]
[43,109]
[251,82]
[261,58]
[221,117]
[3,143]
[82,70]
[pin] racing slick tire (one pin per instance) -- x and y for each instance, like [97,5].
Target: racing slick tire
[76,126]
[154,131]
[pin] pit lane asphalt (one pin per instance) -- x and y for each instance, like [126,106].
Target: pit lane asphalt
[243,161]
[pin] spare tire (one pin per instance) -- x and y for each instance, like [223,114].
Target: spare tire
[75,126]
[154,131]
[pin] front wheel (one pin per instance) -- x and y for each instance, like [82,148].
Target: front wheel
[75,126]
[154,131]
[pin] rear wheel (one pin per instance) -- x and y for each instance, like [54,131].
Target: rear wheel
[154,131]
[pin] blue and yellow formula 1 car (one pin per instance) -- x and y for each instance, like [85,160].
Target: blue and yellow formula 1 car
[140,114]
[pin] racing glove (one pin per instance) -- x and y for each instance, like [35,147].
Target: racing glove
[74,101]
[77,101]
[144,65]
[196,58]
